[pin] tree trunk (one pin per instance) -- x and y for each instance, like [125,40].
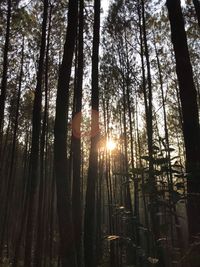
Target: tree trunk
[188,96]
[39,249]
[146,112]
[5,69]
[67,243]
[34,157]
[149,122]
[89,223]
[76,142]
[9,191]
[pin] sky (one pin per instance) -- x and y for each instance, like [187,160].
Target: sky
[105,5]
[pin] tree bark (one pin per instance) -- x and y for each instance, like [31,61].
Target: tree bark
[5,70]
[34,157]
[67,243]
[188,97]
[76,142]
[149,123]
[39,248]
[10,186]
[89,222]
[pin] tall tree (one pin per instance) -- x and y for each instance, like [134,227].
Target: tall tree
[34,157]
[5,69]
[67,243]
[89,220]
[10,186]
[148,99]
[188,95]
[76,140]
[40,230]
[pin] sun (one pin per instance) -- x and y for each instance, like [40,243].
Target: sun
[110,145]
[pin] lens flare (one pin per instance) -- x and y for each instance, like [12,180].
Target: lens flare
[110,145]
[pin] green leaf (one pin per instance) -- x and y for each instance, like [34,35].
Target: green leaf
[162,239]
[155,149]
[112,237]
[170,149]
[180,175]
[179,185]
[176,157]
[161,161]
[157,172]
[120,208]
[127,182]
[153,260]
[176,171]
[147,158]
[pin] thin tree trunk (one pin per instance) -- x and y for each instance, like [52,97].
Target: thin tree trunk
[149,121]
[5,70]
[76,143]
[67,242]
[146,112]
[10,188]
[22,213]
[89,222]
[34,157]
[41,203]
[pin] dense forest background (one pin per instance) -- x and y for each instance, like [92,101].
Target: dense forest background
[99,133]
